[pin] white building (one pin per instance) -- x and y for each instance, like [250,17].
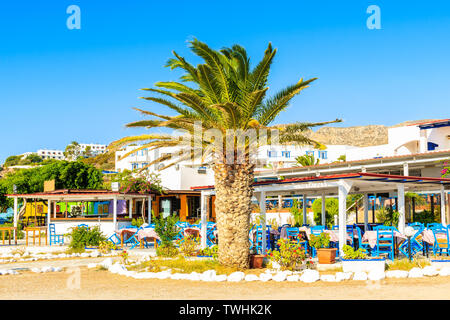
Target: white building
[415,138]
[51,154]
[181,176]
[96,149]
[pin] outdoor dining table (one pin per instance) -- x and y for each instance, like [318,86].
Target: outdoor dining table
[3,230]
[334,234]
[34,230]
[128,231]
[427,238]
[371,238]
[147,233]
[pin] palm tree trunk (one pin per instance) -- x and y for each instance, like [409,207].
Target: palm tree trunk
[234,191]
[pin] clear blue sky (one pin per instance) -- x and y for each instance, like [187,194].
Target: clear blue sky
[59,85]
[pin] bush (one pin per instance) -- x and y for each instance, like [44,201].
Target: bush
[106,246]
[137,222]
[321,241]
[189,245]
[350,253]
[168,251]
[289,255]
[331,209]
[166,229]
[210,251]
[82,237]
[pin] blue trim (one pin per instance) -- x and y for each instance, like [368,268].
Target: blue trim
[440,260]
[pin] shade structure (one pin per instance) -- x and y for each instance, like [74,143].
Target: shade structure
[344,184]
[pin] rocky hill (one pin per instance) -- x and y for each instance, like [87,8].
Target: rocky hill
[360,136]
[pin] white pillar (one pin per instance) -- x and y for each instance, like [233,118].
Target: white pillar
[203,219]
[405,169]
[15,217]
[115,213]
[423,143]
[49,212]
[280,202]
[324,218]
[149,209]
[343,189]
[130,208]
[443,206]
[304,209]
[262,205]
[366,212]
[401,207]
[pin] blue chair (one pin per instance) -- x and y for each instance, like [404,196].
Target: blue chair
[416,225]
[114,238]
[293,234]
[133,240]
[385,241]
[434,225]
[55,238]
[441,240]
[211,239]
[362,245]
[259,239]
[416,244]
[335,227]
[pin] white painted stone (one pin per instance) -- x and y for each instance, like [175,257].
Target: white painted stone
[430,271]
[309,276]
[94,254]
[106,263]
[360,276]
[177,276]
[397,274]
[92,265]
[376,275]
[12,271]
[208,275]
[193,276]
[445,271]
[57,269]
[116,268]
[221,278]
[251,277]
[3,271]
[144,275]
[163,275]
[47,269]
[340,276]
[35,270]
[280,276]
[293,278]
[236,276]
[17,255]
[85,255]
[265,276]
[275,265]
[328,278]
[415,273]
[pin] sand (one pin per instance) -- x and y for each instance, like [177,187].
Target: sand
[100,284]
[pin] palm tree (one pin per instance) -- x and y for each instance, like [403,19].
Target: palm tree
[225,95]
[307,160]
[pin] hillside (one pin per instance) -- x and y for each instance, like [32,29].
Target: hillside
[360,136]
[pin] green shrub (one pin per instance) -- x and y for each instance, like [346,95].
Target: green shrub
[331,209]
[289,255]
[210,251]
[350,253]
[137,222]
[321,241]
[85,237]
[166,229]
[189,245]
[168,251]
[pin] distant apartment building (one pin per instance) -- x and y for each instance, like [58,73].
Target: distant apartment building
[51,154]
[96,149]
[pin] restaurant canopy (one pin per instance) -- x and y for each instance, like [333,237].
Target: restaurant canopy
[340,186]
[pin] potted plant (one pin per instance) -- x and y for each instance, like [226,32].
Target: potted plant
[321,243]
[256,260]
[356,261]
[289,256]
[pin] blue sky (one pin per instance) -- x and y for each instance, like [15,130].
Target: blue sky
[59,85]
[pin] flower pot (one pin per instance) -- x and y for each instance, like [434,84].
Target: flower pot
[256,261]
[326,255]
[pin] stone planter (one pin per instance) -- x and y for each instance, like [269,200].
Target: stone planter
[363,265]
[326,255]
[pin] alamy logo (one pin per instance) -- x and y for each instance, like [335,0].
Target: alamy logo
[374,20]
[74,20]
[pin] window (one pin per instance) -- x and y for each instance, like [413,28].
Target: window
[310,153]
[144,164]
[286,154]
[323,154]
[271,153]
[134,166]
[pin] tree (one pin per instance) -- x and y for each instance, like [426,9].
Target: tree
[73,151]
[342,158]
[307,160]
[12,161]
[31,159]
[331,209]
[222,99]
